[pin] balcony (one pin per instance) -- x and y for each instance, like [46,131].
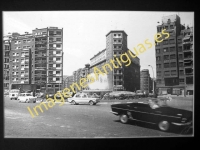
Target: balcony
[40,48]
[52,68]
[40,42]
[52,48]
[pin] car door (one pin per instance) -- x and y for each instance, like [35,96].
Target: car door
[77,98]
[84,98]
[143,112]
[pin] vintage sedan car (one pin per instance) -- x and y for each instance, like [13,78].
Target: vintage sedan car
[26,98]
[154,112]
[83,98]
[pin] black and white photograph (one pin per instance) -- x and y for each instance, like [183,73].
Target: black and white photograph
[98,74]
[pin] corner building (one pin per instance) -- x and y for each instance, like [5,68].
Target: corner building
[174,58]
[123,77]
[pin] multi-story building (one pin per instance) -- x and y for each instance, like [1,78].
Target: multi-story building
[6,60]
[21,60]
[67,81]
[146,82]
[49,52]
[174,58]
[37,58]
[121,77]
[77,75]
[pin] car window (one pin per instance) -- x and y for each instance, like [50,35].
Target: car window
[28,94]
[78,95]
[84,96]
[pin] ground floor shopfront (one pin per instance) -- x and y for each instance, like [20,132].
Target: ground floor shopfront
[176,90]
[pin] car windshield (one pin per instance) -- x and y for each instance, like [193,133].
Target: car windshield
[28,94]
[157,103]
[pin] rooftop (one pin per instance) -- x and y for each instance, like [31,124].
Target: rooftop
[117,31]
[98,54]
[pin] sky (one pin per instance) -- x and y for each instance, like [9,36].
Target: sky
[84,32]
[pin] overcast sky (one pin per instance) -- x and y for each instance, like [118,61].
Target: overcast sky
[84,32]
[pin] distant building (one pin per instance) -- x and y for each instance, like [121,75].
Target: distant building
[121,77]
[146,82]
[174,58]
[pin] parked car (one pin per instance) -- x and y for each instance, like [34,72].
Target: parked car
[81,98]
[14,94]
[154,112]
[140,93]
[26,98]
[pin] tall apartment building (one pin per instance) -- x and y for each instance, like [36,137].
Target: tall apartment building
[121,78]
[6,60]
[146,82]
[174,58]
[37,58]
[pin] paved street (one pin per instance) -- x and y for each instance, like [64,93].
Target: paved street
[72,121]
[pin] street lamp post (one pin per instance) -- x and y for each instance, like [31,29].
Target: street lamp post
[153,78]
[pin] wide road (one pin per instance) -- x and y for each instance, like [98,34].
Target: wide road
[72,121]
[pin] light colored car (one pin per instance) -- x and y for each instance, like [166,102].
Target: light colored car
[26,98]
[14,94]
[83,98]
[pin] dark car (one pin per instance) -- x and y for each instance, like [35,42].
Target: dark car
[152,112]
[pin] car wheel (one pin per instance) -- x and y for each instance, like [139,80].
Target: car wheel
[164,125]
[123,118]
[73,102]
[91,103]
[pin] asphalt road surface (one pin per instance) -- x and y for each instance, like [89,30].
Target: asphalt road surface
[73,121]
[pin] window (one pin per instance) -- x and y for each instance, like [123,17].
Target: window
[171,27]
[158,81]
[115,46]
[50,45]
[179,41]
[166,27]
[57,65]
[180,56]
[165,50]
[166,65]
[158,73]
[171,41]
[50,65]
[58,39]
[181,72]
[172,49]
[166,57]
[158,58]
[119,46]
[115,40]
[57,72]
[173,72]
[165,42]
[50,32]
[173,64]
[58,32]
[181,80]
[58,45]
[180,49]
[114,34]
[180,64]
[158,65]
[166,73]
[119,40]
[158,29]
[24,41]
[173,56]
[57,79]
[157,50]
[50,39]
[58,52]
[57,59]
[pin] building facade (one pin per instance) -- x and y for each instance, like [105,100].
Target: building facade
[6,60]
[121,77]
[174,58]
[146,82]
[37,58]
